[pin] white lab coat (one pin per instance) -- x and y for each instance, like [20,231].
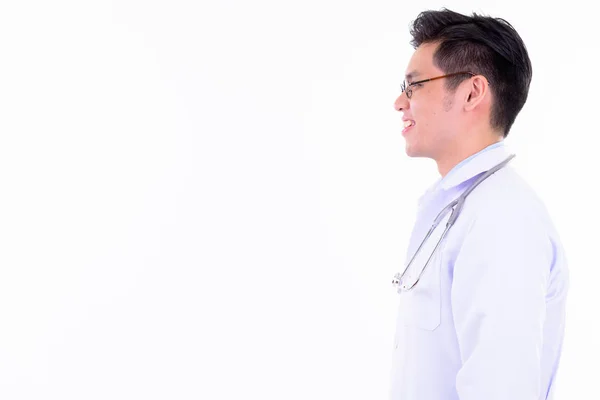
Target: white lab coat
[486,320]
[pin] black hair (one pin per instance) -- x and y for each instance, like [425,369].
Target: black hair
[482,45]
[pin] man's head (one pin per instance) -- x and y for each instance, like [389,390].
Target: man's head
[467,108]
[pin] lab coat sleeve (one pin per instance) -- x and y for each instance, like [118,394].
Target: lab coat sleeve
[500,277]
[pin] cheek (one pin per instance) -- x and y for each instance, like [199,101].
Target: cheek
[431,114]
[426,116]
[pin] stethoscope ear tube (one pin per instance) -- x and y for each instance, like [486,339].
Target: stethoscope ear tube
[461,199]
[456,207]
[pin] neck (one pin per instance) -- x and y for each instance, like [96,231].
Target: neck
[458,153]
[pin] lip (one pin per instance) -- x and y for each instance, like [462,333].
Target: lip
[405,130]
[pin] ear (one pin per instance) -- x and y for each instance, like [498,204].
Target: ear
[477,92]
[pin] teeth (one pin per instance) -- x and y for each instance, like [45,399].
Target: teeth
[408,123]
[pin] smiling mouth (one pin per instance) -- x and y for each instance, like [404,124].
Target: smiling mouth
[408,123]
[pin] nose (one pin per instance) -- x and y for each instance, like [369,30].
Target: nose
[401,102]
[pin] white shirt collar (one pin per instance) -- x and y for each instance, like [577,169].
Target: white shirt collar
[469,167]
[474,165]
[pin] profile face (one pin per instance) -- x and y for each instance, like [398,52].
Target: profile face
[428,115]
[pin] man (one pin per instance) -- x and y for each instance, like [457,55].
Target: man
[481,314]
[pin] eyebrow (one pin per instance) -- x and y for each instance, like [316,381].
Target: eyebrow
[411,75]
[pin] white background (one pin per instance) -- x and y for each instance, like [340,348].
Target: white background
[208,200]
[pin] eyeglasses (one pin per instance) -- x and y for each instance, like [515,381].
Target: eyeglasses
[408,88]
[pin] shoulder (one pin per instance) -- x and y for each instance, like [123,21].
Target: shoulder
[505,198]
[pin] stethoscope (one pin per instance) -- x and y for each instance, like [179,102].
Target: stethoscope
[456,207]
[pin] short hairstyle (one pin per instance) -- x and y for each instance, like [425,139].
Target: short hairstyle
[482,45]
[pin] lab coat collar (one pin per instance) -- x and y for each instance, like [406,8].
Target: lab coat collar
[474,165]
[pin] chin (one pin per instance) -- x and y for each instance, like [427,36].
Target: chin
[413,152]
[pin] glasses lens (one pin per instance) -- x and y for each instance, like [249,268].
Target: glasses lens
[403,89]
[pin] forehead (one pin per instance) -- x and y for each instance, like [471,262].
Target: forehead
[421,62]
